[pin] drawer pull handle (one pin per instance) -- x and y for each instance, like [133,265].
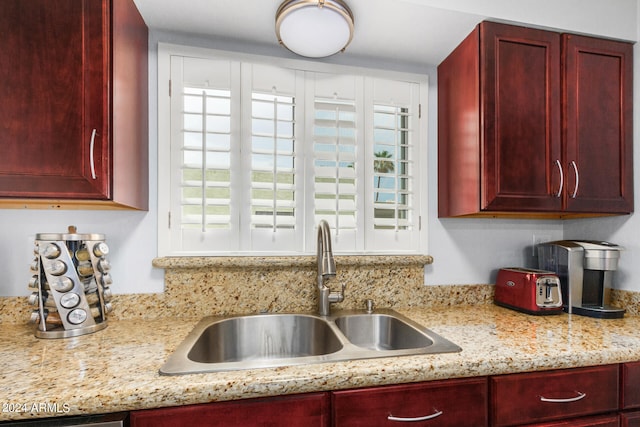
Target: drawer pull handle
[580,396]
[91,161]
[425,418]
[575,169]
[561,178]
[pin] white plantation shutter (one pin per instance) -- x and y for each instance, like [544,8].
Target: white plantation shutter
[392,203]
[206,159]
[335,114]
[256,155]
[203,206]
[272,162]
[392,164]
[363,131]
[335,163]
[271,98]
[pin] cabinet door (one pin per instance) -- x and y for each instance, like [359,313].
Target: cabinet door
[310,410]
[54,91]
[598,124]
[630,396]
[520,88]
[452,403]
[544,396]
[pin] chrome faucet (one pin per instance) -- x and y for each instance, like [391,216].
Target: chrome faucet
[326,269]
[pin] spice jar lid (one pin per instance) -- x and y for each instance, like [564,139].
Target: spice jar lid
[72,235]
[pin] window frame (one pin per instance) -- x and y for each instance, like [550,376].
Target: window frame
[166,51]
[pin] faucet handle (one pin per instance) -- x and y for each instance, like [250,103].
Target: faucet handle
[337,296]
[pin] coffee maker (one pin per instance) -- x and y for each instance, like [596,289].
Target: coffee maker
[585,269]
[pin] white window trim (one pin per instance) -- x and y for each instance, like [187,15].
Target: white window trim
[165,51]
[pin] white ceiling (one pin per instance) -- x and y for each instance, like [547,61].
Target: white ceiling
[398,31]
[401,33]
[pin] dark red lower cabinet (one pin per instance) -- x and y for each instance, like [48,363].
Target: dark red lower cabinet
[454,403]
[304,410]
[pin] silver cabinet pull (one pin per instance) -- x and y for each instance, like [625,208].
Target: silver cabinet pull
[580,396]
[91,162]
[575,169]
[561,178]
[425,418]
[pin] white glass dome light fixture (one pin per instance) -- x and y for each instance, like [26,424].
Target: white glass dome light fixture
[314,28]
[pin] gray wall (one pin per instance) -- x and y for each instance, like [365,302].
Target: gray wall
[466,251]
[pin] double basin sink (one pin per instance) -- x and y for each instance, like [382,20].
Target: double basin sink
[275,340]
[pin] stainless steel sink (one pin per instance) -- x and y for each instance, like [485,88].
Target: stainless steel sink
[382,332]
[264,337]
[273,340]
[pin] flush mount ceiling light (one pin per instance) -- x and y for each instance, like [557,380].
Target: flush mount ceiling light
[314,28]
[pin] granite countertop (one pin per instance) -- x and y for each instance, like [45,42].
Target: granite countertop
[116,369]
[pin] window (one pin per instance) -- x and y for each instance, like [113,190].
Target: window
[253,155]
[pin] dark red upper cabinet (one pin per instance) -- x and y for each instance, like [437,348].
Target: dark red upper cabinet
[74,110]
[504,109]
[521,121]
[598,124]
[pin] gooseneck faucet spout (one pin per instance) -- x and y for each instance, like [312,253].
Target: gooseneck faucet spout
[326,263]
[326,269]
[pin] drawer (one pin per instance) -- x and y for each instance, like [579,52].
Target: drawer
[543,396]
[440,403]
[630,419]
[305,410]
[630,391]
[611,420]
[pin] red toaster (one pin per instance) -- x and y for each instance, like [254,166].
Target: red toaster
[528,290]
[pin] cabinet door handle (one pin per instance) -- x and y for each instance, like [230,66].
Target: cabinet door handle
[91,162]
[413,419]
[561,178]
[575,169]
[580,396]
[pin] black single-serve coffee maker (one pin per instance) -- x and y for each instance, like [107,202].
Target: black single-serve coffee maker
[585,269]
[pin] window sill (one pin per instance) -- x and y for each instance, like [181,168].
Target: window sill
[288,261]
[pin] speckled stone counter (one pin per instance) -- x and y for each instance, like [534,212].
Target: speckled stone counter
[117,369]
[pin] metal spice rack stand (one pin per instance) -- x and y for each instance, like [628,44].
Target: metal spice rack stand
[70,283]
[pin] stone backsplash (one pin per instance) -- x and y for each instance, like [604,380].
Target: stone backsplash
[202,286]
[221,286]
